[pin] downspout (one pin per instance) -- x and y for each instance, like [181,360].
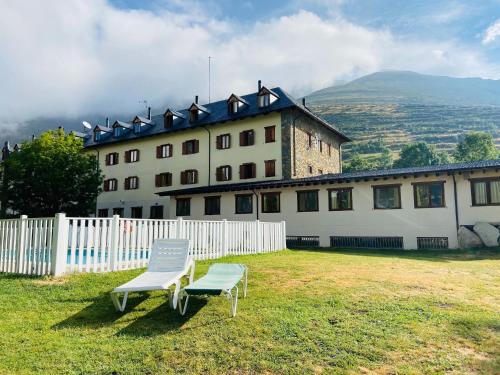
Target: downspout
[257,203]
[456,201]
[209,153]
[98,166]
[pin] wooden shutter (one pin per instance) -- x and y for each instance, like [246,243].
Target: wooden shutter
[251,137]
[169,179]
[127,156]
[127,184]
[218,174]
[183,178]
[196,146]
[106,185]
[138,155]
[219,142]
[171,150]
[184,148]
[117,157]
[253,170]
[158,180]
[107,159]
[242,139]
[158,152]
[195,179]
[229,173]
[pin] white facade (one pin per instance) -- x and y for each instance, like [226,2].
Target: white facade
[364,220]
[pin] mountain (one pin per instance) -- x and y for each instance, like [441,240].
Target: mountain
[412,88]
[395,108]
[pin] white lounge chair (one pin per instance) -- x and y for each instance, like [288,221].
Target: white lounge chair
[168,264]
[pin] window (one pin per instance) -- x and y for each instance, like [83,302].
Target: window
[247,138]
[212,205]
[169,121]
[264,100]
[164,151]
[132,183]
[118,211]
[244,204]
[310,169]
[112,158]
[485,192]
[190,147]
[270,134]
[111,184]
[136,212]
[428,194]
[270,166]
[247,170]
[163,179]
[307,201]
[309,140]
[193,115]
[102,212]
[223,141]
[131,156]
[189,176]
[156,212]
[270,202]
[223,173]
[183,206]
[233,106]
[340,199]
[387,197]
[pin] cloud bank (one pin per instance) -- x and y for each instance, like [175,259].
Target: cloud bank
[492,32]
[69,58]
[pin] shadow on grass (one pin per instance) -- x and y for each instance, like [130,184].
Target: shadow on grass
[100,312]
[163,319]
[428,255]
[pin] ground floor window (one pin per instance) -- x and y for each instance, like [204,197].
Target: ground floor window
[485,192]
[340,199]
[118,211]
[102,212]
[307,201]
[387,197]
[136,212]
[270,202]
[156,212]
[244,204]
[428,194]
[212,205]
[183,207]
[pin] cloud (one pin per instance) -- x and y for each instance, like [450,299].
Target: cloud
[79,57]
[492,32]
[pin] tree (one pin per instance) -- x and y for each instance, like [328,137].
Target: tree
[419,154]
[384,161]
[359,163]
[476,146]
[51,174]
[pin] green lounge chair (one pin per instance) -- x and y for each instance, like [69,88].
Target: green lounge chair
[221,278]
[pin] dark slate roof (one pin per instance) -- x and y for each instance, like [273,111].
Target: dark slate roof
[341,177]
[218,113]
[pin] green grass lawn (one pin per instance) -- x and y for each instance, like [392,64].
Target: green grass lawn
[306,312]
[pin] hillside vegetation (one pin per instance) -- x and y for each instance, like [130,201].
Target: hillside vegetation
[395,108]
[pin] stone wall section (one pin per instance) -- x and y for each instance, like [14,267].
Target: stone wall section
[307,156]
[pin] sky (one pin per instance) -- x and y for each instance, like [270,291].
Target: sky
[69,58]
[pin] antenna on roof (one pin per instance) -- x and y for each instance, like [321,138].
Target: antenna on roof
[209,60]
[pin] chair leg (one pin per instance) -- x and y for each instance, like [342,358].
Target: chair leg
[175,297]
[234,301]
[119,306]
[182,309]
[246,283]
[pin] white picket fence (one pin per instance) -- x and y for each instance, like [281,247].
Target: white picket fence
[63,244]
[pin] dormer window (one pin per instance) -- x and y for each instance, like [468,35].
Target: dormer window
[169,117]
[193,115]
[100,132]
[266,97]
[235,104]
[196,111]
[120,128]
[169,121]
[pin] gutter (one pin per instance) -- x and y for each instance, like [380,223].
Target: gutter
[456,201]
[257,203]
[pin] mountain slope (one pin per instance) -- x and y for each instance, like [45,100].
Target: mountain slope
[412,88]
[402,107]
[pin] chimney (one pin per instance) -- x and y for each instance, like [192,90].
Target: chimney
[304,101]
[107,122]
[259,85]
[196,99]
[149,113]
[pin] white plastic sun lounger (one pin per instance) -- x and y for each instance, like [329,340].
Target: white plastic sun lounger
[168,264]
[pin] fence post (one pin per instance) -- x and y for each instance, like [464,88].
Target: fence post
[59,245]
[178,231]
[283,238]
[20,242]
[115,241]
[258,235]
[225,234]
